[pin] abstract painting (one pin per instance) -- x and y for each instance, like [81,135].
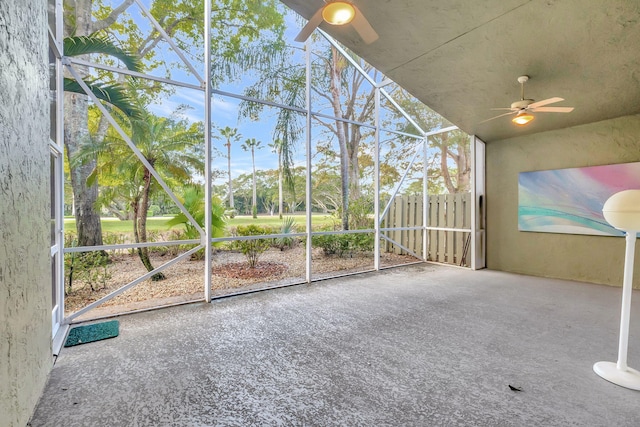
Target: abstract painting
[570,200]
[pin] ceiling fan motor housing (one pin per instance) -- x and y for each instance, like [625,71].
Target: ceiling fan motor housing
[522,104]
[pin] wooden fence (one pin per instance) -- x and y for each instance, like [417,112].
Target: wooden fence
[444,211]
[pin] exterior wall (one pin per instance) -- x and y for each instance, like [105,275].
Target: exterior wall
[595,259]
[25,289]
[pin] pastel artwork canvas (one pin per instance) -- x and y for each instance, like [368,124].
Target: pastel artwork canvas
[570,200]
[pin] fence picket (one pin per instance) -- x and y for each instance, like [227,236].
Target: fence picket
[444,210]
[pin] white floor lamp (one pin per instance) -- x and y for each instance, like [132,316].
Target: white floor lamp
[622,210]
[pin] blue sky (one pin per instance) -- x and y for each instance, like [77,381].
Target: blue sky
[224,112]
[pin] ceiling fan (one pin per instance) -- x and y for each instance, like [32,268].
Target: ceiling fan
[523,108]
[337,12]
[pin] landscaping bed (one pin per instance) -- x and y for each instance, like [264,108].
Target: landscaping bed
[184,280]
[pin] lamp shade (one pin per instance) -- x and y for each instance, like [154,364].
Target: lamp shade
[522,118]
[622,210]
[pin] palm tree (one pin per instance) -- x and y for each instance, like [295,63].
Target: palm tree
[193,198]
[278,147]
[164,144]
[253,145]
[230,134]
[77,129]
[285,136]
[170,147]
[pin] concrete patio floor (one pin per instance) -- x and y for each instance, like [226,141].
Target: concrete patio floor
[424,345]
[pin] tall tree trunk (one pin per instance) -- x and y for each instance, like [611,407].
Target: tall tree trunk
[254,206]
[280,178]
[135,207]
[76,132]
[444,168]
[354,166]
[141,222]
[231,206]
[464,168]
[341,134]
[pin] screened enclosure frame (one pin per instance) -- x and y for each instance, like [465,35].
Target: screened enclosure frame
[206,240]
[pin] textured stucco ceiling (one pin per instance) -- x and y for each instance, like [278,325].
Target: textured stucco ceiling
[462,57]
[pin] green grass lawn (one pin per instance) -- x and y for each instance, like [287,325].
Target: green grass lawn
[114,225]
[272,221]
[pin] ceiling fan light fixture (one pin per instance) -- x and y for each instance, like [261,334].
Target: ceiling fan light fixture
[522,118]
[338,13]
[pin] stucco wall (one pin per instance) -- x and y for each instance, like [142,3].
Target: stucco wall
[25,290]
[594,259]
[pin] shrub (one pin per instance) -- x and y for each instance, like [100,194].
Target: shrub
[155,236]
[287,226]
[362,242]
[360,213]
[112,238]
[175,250]
[91,268]
[154,210]
[331,244]
[252,249]
[343,244]
[194,203]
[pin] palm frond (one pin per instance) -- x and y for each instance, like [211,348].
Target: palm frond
[114,94]
[101,44]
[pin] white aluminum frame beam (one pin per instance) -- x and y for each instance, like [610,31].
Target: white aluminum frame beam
[56,45]
[125,71]
[376,182]
[308,186]
[208,247]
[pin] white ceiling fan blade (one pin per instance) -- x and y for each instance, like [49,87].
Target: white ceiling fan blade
[505,109]
[313,23]
[362,26]
[545,102]
[501,115]
[552,109]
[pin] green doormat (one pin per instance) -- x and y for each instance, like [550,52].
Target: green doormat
[93,332]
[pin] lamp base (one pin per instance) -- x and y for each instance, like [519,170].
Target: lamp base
[610,372]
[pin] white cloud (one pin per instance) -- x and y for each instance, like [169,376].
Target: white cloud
[193,98]
[169,108]
[164,109]
[224,109]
